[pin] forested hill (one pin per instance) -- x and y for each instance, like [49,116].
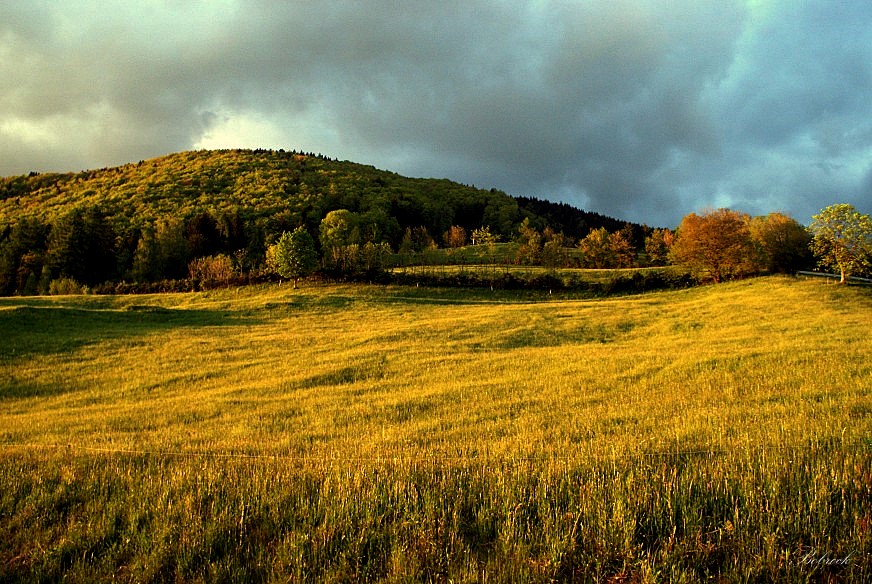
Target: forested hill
[276,191]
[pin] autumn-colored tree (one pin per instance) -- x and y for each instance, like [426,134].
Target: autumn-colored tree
[842,239]
[783,242]
[623,254]
[596,250]
[455,237]
[529,244]
[554,250]
[716,245]
[212,270]
[657,246]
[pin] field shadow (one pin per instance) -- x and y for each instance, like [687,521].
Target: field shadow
[13,387]
[371,369]
[37,329]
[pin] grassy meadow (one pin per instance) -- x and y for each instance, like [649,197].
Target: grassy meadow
[343,433]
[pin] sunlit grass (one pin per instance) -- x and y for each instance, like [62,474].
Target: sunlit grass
[442,433]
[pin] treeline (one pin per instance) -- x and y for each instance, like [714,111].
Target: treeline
[211,216]
[83,250]
[216,217]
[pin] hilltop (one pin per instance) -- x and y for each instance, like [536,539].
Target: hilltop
[278,190]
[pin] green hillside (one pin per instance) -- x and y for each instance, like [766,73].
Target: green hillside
[146,221]
[283,187]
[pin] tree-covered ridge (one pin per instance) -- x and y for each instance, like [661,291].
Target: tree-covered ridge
[220,216]
[574,222]
[207,214]
[277,189]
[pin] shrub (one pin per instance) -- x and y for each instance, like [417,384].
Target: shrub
[212,270]
[63,286]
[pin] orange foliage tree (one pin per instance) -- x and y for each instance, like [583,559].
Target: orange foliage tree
[716,245]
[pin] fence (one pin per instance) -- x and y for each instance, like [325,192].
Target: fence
[865,281]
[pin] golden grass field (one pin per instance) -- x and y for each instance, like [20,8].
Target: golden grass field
[366,433]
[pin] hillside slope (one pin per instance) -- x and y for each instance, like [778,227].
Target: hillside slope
[276,188]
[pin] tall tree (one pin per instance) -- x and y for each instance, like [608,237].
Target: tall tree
[842,239]
[716,245]
[529,244]
[295,255]
[657,246]
[170,235]
[82,246]
[455,236]
[146,258]
[623,253]
[596,249]
[783,242]
[338,230]
[20,247]
[421,239]
[203,235]
[161,253]
[554,250]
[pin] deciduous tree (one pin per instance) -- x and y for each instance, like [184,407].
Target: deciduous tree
[623,254]
[554,251]
[783,242]
[455,237]
[842,239]
[657,246]
[595,249]
[338,230]
[716,245]
[212,270]
[294,255]
[529,244]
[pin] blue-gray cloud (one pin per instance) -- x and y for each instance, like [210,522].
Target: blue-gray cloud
[641,110]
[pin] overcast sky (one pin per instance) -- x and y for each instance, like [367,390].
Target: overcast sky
[642,110]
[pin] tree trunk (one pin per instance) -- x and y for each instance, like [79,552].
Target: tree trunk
[843,280]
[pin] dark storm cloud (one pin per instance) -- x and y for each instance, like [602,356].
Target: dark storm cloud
[641,110]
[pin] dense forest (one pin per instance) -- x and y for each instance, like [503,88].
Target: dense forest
[192,213]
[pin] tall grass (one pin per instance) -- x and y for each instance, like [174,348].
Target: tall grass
[346,433]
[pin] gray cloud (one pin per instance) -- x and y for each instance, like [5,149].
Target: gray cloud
[641,110]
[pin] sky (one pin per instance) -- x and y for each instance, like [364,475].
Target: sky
[641,110]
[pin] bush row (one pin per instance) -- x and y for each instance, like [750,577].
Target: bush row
[623,283]
[616,284]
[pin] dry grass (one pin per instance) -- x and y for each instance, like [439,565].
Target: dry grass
[389,433]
